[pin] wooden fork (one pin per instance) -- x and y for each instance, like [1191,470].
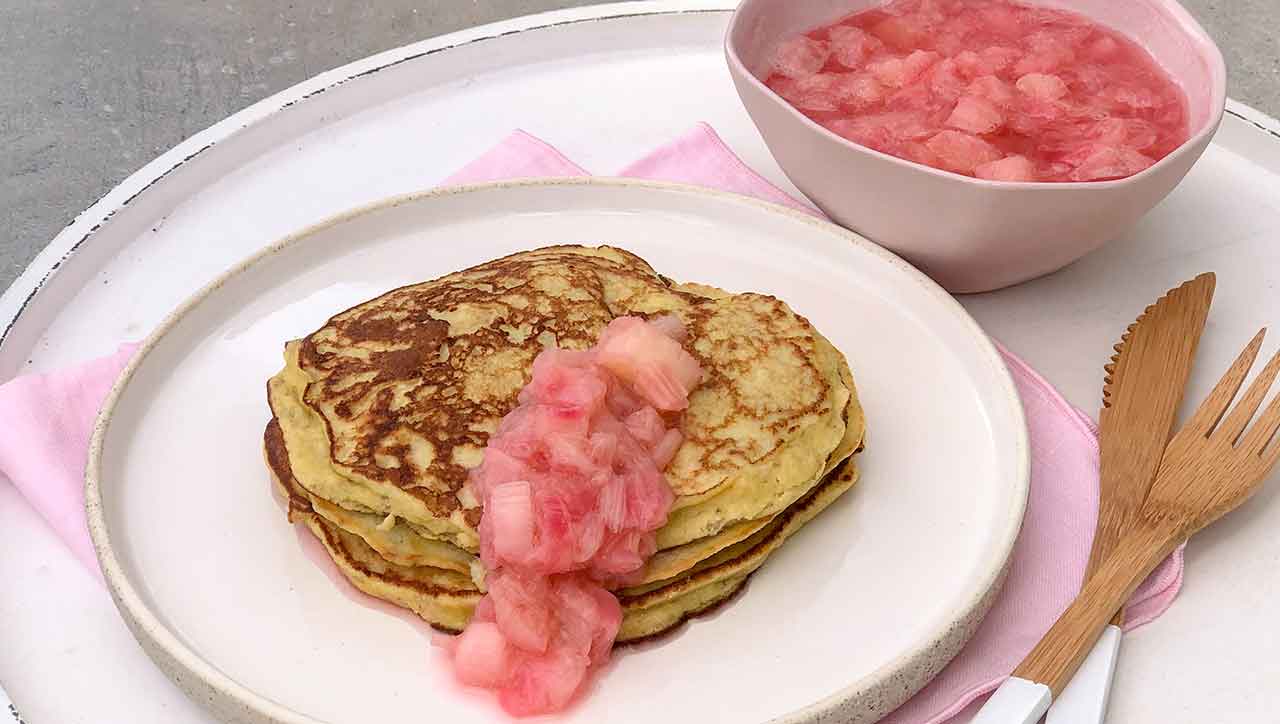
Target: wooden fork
[1214,463]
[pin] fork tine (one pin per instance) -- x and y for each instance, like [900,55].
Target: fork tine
[1258,437]
[1233,426]
[1210,412]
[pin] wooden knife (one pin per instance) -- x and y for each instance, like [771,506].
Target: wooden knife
[1140,396]
[1141,393]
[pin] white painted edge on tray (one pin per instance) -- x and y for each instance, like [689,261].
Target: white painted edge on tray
[1255,117]
[164,646]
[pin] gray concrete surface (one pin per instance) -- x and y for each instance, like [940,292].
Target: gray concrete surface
[90,90]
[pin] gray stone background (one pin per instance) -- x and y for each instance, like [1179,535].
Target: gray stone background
[90,90]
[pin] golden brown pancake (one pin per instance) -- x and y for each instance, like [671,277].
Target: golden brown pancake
[389,404]
[379,415]
[446,598]
[399,542]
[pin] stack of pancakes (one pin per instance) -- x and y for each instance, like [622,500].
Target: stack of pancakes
[379,415]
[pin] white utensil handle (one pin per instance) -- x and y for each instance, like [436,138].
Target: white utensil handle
[1084,700]
[1017,701]
[8,712]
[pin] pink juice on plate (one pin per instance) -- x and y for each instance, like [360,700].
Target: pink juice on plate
[986,88]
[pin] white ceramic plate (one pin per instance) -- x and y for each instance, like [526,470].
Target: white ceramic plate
[851,616]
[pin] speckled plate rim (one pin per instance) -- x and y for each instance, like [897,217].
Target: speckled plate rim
[881,691]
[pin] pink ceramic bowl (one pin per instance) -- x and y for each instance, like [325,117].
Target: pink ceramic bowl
[973,235]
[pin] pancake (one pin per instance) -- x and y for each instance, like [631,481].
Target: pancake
[652,609]
[388,405]
[446,598]
[399,542]
[394,540]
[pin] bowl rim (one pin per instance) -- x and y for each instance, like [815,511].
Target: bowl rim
[1185,21]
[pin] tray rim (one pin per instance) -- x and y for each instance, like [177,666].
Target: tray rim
[887,687]
[36,278]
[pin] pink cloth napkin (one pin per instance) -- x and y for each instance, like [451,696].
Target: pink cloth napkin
[45,424]
[47,419]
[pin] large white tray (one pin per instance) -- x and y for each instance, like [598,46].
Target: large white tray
[604,84]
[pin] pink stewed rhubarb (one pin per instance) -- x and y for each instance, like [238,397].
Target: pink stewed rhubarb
[573,491]
[986,88]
